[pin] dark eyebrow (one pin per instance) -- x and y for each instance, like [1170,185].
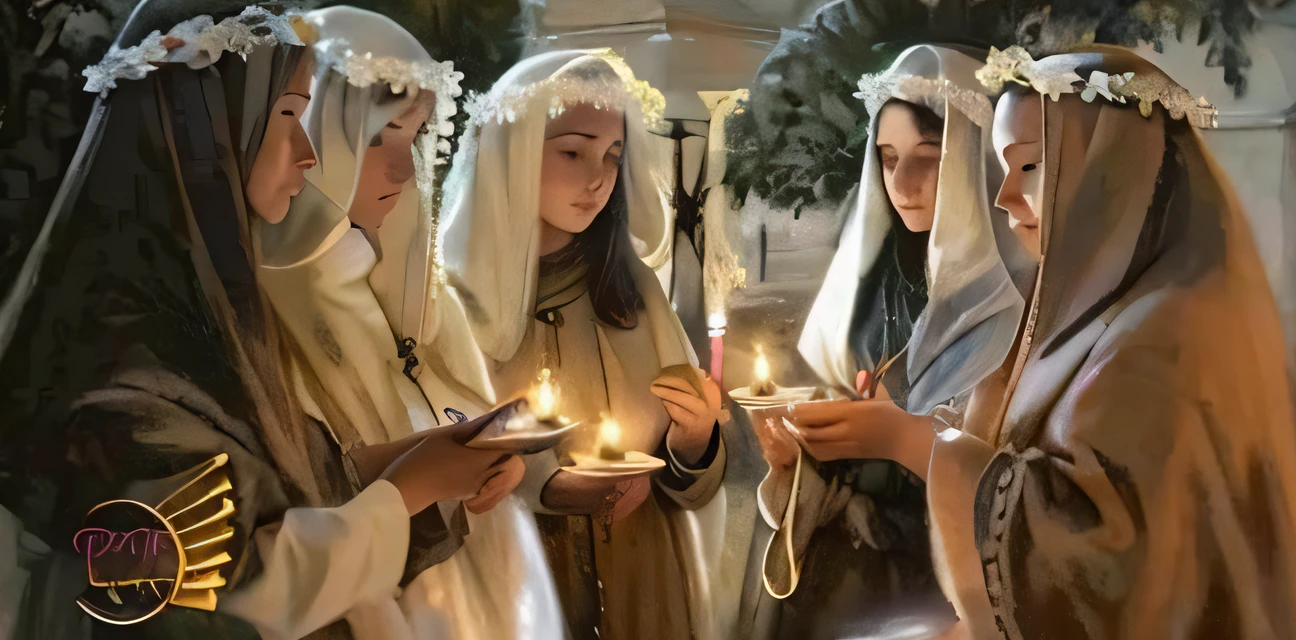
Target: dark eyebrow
[294,93]
[573,133]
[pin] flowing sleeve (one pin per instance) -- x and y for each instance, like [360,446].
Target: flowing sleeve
[294,570]
[693,486]
[319,564]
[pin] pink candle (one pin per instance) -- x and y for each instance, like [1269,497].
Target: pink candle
[716,326]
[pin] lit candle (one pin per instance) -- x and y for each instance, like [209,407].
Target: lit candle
[762,385]
[544,397]
[716,329]
[609,439]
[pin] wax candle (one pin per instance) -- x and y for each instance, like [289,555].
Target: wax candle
[716,329]
[609,439]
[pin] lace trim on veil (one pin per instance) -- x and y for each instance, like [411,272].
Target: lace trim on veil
[202,42]
[368,69]
[936,93]
[554,94]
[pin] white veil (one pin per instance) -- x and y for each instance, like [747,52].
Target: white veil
[973,307]
[491,243]
[349,302]
[492,210]
[346,304]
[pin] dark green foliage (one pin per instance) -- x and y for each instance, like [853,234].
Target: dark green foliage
[801,102]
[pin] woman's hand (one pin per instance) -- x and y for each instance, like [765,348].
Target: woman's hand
[438,468]
[778,447]
[865,429]
[510,474]
[598,497]
[692,418]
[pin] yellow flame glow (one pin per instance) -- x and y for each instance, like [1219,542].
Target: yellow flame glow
[544,401]
[762,366]
[610,432]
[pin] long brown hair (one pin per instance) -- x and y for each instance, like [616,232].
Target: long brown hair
[606,251]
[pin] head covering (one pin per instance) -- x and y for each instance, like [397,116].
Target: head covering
[491,234]
[367,310]
[1149,278]
[973,306]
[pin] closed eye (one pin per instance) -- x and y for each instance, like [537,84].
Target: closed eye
[570,154]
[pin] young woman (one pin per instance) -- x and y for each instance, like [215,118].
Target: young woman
[918,283]
[180,374]
[552,190]
[383,350]
[1137,474]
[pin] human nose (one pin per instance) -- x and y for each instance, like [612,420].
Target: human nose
[1010,198]
[907,181]
[303,155]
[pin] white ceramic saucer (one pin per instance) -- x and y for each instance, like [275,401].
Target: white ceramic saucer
[635,464]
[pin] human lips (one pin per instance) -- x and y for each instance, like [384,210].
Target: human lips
[585,206]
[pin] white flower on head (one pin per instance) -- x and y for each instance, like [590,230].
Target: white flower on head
[1099,84]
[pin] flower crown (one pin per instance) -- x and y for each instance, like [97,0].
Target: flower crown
[363,70]
[563,89]
[1056,76]
[875,89]
[197,43]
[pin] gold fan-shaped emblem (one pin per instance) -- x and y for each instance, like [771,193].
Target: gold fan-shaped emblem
[141,558]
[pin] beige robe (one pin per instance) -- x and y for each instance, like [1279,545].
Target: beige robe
[1137,479]
[628,579]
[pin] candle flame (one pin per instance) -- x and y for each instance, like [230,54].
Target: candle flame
[545,398]
[716,321]
[762,366]
[610,432]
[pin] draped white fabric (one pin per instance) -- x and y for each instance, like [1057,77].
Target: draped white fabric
[973,306]
[348,297]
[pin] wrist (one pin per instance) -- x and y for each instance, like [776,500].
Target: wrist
[914,446]
[687,445]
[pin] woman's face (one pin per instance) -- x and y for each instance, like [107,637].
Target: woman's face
[279,171]
[910,158]
[1019,141]
[582,157]
[389,163]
